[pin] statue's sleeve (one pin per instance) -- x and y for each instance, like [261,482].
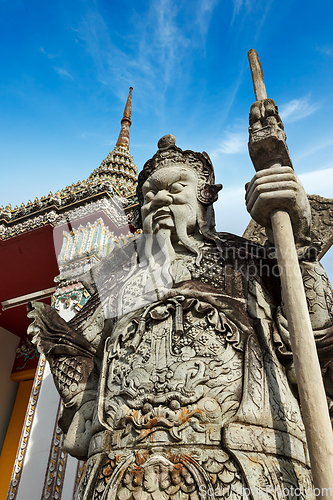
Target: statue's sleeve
[71,356]
[319,297]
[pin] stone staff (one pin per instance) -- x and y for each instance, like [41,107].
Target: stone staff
[267,147]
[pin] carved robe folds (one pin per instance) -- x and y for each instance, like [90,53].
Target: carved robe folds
[193,397]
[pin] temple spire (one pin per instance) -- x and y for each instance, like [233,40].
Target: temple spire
[119,167]
[123,139]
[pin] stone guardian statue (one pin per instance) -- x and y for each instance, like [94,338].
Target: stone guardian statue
[177,375]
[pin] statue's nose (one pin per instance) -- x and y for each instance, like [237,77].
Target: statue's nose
[162,198]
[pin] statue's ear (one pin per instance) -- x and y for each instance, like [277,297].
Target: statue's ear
[208,194]
[215,188]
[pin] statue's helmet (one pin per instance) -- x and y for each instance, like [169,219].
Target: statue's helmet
[169,155]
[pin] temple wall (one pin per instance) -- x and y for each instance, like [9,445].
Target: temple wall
[8,389]
[69,481]
[37,455]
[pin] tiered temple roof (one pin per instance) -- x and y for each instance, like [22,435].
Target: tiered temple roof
[119,167]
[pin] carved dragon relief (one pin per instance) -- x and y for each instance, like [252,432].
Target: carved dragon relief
[174,383]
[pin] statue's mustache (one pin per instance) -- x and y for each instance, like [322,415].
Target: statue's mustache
[182,234]
[161,212]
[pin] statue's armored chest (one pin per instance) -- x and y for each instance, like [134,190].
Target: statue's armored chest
[173,376]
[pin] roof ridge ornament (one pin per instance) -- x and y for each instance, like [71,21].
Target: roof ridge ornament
[123,139]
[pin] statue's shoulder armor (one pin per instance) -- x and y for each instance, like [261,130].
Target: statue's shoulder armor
[110,265]
[257,262]
[100,280]
[246,248]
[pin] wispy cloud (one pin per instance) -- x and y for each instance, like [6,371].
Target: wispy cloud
[327,49]
[171,41]
[315,149]
[238,4]
[204,13]
[247,6]
[158,51]
[250,12]
[318,182]
[297,109]
[233,142]
[50,56]
[63,72]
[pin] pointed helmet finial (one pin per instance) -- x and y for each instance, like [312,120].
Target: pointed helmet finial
[123,139]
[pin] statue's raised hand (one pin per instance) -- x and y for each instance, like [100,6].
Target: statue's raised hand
[264,113]
[278,188]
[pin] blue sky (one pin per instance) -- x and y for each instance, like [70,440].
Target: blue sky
[66,68]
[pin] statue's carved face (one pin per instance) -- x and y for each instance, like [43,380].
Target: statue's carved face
[170,199]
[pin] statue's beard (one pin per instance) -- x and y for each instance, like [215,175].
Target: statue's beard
[155,255]
[161,238]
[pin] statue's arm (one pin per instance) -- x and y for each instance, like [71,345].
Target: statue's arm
[278,188]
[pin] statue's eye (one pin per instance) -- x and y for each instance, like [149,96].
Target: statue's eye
[149,195]
[176,187]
